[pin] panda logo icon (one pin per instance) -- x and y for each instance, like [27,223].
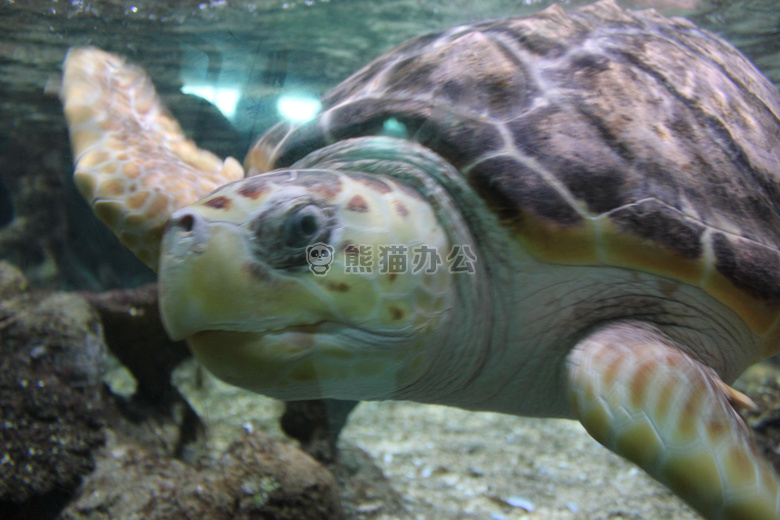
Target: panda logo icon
[319,256]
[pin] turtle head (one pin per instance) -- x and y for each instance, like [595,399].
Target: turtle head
[308,282]
[327,279]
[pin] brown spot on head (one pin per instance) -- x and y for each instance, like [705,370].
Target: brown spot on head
[392,276]
[338,287]
[401,209]
[357,203]
[375,184]
[253,187]
[396,313]
[220,202]
[325,184]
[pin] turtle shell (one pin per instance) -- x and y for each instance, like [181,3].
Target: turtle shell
[600,137]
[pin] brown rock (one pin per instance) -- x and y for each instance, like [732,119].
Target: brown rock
[256,478]
[51,361]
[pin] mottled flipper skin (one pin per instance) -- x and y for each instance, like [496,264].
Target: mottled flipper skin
[134,164]
[640,395]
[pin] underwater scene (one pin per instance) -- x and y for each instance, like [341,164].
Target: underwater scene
[364,259]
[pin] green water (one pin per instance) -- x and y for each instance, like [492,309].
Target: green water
[227,69]
[251,55]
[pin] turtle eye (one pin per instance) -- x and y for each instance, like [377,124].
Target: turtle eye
[281,233]
[304,226]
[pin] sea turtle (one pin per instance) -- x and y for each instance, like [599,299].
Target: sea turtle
[565,215]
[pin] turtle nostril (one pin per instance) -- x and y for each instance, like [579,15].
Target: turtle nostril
[187,233]
[186,222]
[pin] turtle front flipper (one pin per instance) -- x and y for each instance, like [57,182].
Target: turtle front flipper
[134,164]
[645,399]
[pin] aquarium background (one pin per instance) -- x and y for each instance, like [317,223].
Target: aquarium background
[222,67]
[228,70]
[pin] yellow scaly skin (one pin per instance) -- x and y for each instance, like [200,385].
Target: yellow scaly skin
[282,330]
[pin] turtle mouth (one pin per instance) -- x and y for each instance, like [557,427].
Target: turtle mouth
[298,361]
[323,327]
[299,341]
[319,327]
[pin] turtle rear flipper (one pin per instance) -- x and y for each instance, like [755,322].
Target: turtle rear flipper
[134,165]
[648,401]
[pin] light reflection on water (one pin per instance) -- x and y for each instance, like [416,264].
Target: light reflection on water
[240,59]
[267,48]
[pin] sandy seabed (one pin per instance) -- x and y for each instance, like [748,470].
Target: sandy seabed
[446,463]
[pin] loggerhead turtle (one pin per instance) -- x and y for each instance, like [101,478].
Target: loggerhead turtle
[565,215]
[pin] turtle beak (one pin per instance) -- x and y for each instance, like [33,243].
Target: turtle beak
[211,280]
[193,262]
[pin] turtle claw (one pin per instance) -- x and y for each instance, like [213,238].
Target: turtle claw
[134,165]
[736,398]
[650,402]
